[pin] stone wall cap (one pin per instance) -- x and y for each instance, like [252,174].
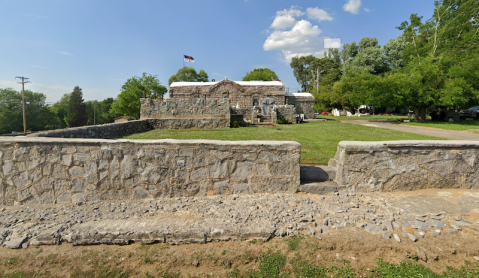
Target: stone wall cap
[371,145]
[24,139]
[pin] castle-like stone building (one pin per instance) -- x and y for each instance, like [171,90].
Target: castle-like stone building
[245,94]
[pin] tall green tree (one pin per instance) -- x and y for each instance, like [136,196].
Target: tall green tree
[442,56]
[303,72]
[188,74]
[76,114]
[260,74]
[128,101]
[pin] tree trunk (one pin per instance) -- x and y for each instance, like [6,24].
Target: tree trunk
[420,113]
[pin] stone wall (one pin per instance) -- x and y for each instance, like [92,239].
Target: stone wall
[303,105]
[106,131]
[237,94]
[247,114]
[407,165]
[186,113]
[287,112]
[55,170]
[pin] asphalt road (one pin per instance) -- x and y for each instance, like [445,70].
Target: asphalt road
[450,134]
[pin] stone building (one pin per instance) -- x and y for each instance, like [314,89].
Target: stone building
[245,94]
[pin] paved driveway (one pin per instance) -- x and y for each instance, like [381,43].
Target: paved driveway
[450,134]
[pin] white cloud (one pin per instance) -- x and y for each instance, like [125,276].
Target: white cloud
[367,10]
[318,14]
[285,18]
[65,53]
[303,39]
[352,6]
[332,43]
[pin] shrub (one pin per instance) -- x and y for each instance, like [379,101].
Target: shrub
[282,120]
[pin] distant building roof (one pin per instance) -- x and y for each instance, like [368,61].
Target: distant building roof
[298,94]
[242,83]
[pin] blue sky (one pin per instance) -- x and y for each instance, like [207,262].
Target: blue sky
[99,44]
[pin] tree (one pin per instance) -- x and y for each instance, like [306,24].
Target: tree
[302,72]
[76,114]
[128,101]
[188,74]
[39,117]
[101,114]
[60,108]
[368,56]
[442,56]
[260,74]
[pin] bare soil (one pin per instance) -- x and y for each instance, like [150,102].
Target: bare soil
[361,249]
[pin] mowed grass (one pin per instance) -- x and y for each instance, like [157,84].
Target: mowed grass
[368,118]
[459,125]
[318,140]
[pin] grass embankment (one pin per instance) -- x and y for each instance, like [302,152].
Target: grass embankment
[318,140]
[459,125]
[291,257]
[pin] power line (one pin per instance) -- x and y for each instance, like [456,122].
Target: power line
[23,100]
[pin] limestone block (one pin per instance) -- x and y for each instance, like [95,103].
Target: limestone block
[67,160]
[199,174]
[242,188]
[77,172]
[243,170]
[78,185]
[219,169]
[127,166]
[60,172]
[221,187]
[262,169]
[65,197]
[79,197]
[140,193]
[21,179]
[282,168]
[8,167]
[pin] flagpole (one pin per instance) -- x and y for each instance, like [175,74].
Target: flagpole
[183,59]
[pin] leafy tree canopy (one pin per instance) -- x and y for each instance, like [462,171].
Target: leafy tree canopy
[128,101]
[188,74]
[39,117]
[260,74]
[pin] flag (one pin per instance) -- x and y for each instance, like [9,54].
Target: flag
[189,59]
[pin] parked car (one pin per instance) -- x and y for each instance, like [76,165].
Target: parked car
[469,113]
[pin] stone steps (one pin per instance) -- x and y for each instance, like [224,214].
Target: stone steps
[319,180]
[317,173]
[320,187]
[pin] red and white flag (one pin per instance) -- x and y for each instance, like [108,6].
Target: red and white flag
[189,59]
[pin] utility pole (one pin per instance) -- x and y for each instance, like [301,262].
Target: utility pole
[23,101]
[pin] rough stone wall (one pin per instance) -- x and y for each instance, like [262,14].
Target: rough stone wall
[242,95]
[286,112]
[55,170]
[186,113]
[303,105]
[246,113]
[407,165]
[106,131]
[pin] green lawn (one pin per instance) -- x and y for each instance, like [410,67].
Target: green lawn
[459,125]
[370,118]
[318,140]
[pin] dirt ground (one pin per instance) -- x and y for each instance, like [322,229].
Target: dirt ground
[218,259]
